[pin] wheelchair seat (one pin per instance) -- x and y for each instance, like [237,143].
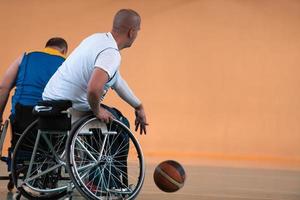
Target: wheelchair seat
[51,108]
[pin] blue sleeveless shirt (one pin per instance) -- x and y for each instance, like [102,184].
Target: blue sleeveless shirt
[34,73]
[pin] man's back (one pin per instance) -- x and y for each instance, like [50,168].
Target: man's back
[34,72]
[71,80]
[29,74]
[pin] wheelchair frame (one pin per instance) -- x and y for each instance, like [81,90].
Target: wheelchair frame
[67,157]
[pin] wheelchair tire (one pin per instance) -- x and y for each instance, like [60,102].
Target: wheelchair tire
[83,160]
[3,131]
[10,185]
[20,166]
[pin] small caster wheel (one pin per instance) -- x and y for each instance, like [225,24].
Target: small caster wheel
[10,185]
[17,196]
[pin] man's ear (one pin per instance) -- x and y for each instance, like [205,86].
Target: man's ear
[131,32]
[64,52]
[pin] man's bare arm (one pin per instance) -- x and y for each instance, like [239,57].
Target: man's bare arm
[7,83]
[95,90]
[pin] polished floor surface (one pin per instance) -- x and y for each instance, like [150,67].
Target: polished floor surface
[216,183]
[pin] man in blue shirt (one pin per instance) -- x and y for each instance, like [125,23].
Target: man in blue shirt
[29,74]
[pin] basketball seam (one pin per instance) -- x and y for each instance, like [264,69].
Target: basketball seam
[165,175]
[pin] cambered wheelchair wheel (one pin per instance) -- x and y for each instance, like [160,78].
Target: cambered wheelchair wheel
[105,161]
[38,169]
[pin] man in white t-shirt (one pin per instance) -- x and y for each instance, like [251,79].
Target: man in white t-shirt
[93,67]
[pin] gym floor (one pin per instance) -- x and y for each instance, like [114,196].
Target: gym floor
[216,183]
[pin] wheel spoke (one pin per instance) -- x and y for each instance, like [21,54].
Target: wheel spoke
[106,164]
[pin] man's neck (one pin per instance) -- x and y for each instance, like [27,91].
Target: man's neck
[118,40]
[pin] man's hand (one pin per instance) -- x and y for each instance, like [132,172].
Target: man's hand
[140,119]
[104,115]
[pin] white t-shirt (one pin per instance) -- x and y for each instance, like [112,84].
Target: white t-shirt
[71,79]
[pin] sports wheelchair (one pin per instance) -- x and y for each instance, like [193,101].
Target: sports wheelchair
[53,157]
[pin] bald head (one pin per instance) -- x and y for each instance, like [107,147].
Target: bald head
[126,19]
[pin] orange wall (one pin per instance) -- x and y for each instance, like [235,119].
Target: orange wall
[219,79]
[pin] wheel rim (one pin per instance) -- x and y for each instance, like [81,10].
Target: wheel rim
[47,176]
[97,175]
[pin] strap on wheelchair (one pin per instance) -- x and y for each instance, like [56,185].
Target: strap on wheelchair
[53,115]
[51,108]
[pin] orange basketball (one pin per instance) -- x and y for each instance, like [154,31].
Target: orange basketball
[169,176]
